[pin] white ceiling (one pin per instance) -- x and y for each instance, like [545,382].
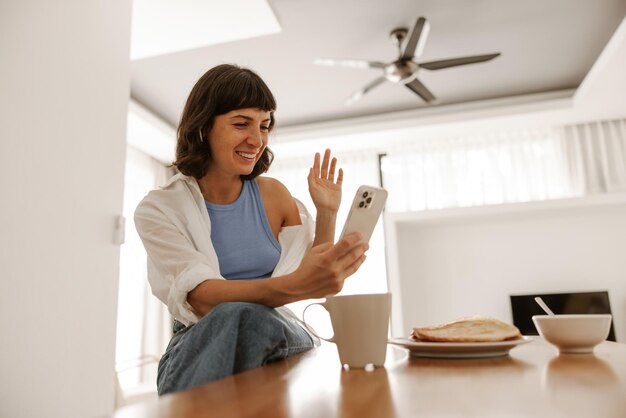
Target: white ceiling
[165,26]
[546,46]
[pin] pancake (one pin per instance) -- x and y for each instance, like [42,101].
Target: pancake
[473,329]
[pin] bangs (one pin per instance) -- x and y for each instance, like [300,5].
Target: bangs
[245,91]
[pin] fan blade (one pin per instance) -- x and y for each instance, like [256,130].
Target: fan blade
[349,63]
[453,62]
[417,87]
[417,40]
[357,95]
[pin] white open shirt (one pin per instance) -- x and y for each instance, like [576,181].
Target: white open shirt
[173,223]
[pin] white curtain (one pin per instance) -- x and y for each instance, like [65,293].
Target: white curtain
[476,170]
[143,324]
[597,155]
[503,167]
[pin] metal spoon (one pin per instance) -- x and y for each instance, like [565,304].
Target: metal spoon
[543,305]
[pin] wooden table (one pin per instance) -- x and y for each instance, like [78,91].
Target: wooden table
[534,381]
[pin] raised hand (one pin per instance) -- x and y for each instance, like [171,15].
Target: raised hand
[324,189]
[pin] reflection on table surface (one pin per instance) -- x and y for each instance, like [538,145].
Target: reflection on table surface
[534,380]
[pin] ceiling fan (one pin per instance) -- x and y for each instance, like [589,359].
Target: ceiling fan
[404,69]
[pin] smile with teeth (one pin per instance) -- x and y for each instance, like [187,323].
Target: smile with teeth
[246,155]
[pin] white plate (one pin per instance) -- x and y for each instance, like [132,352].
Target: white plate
[458,350]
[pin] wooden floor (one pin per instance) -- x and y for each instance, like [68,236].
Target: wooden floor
[534,381]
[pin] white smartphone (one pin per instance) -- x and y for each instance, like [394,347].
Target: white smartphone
[366,208]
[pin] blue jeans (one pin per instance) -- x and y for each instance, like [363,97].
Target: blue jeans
[232,338]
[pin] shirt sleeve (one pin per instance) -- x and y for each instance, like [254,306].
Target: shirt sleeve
[177,265]
[294,241]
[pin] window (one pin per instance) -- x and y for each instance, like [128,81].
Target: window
[143,324]
[489,169]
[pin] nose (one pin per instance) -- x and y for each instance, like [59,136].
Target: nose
[256,138]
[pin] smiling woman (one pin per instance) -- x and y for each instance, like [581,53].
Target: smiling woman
[227,248]
[237,140]
[225,92]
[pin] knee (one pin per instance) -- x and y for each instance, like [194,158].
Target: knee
[240,310]
[250,318]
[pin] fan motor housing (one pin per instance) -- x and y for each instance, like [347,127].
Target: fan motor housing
[401,71]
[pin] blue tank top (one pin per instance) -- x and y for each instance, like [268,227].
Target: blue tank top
[241,235]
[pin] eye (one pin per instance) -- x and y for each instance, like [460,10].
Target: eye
[241,124]
[265,128]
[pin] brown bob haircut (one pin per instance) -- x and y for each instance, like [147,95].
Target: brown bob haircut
[220,90]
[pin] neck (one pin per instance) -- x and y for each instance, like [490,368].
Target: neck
[220,190]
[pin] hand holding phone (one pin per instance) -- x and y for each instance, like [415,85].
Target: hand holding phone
[365,210]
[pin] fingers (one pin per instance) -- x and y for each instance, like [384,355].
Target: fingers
[353,255]
[346,251]
[352,261]
[322,248]
[326,168]
[331,172]
[329,265]
[344,244]
[352,268]
[316,165]
[324,172]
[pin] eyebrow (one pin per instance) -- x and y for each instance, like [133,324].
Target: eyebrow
[249,118]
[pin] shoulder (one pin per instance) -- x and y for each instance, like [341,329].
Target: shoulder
[278,201]
[175,194]
[271,187]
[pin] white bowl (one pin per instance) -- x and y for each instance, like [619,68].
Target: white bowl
[574,333]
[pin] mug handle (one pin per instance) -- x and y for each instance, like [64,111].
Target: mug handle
[310,329]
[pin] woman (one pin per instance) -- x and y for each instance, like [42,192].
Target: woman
[227,248]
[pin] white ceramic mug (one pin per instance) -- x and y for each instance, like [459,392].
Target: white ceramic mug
[361,325]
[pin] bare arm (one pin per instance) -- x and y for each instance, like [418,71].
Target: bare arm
[280,207]
[325,222]
[326,195]
[322,272]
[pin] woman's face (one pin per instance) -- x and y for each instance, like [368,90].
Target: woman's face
[237,140]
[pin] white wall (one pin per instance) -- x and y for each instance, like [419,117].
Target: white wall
[460,262]
[64,87]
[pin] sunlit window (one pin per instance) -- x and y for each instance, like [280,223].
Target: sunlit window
[516,166]
[132,357]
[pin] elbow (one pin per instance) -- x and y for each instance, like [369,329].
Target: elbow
[199,307]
